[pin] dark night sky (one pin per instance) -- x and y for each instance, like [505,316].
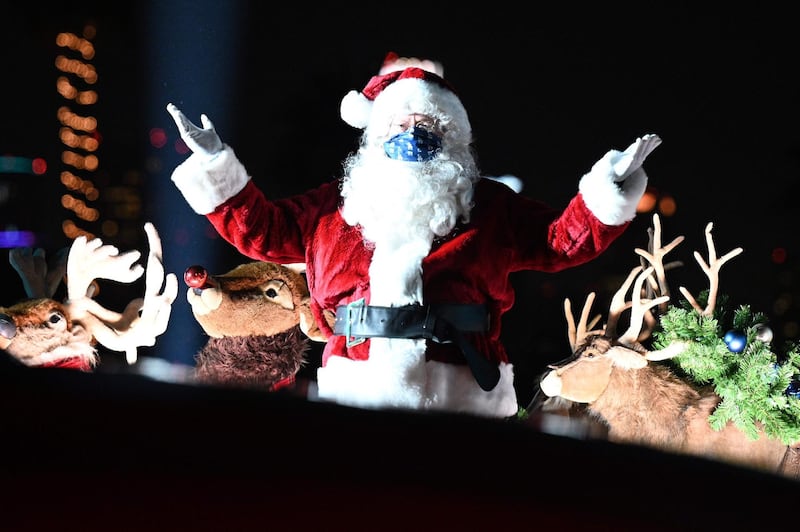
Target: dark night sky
[549,91]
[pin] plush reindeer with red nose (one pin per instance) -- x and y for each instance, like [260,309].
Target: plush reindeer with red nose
[259,323]
[40,331]
[642,399]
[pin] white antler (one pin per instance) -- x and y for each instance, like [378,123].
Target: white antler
[655,256]
[143,319]
[712,272]
[642,300]
[618,304]
[90,260]
[656,283]
[576,333]
[639,308]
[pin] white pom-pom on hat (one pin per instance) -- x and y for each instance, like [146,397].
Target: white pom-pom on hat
[356,109]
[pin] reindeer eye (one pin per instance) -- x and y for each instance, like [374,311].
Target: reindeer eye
[57,320]
[278,292]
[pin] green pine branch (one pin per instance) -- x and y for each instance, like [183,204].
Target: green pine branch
[752,384]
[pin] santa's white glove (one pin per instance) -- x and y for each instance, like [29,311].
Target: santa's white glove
[626,162]
[615,184]
[212,174]
[202,141]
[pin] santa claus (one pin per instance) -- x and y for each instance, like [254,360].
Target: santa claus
[408,254]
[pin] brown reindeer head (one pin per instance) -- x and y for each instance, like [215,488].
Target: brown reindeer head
[585,375]
[259,319]
[38,331]
[41,331]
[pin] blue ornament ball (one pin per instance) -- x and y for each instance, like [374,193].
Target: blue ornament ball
[736,341]
[794,389]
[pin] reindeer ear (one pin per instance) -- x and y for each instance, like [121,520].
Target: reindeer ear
[40,275]
[31,266]
[56,270]
[626,358]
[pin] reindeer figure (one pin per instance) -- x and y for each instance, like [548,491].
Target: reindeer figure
[622,384]
[41,331]
[259,323]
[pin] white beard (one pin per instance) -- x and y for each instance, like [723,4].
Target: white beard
[401,207]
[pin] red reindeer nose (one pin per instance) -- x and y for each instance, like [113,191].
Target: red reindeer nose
[195,276]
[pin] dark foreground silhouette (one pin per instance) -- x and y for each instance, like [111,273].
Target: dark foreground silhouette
[104,451]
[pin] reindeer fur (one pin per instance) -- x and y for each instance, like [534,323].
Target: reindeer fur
[252,361]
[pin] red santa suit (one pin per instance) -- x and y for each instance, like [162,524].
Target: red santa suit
[506,232]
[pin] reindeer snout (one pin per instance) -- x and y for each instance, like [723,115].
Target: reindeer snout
[551,384]
[202,293]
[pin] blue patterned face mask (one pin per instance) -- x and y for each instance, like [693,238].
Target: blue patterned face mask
[415,144]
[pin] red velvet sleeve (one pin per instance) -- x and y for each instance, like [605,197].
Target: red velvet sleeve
[523,233]
[273,230]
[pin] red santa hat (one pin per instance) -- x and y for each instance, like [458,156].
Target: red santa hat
[405,86]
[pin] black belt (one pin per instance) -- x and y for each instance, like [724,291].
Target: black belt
[441,323]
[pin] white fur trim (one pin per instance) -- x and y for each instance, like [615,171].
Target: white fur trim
[439,386]
[206,183]
[612,202]
[393,376]
[414,95]
[355,109]
[395,272]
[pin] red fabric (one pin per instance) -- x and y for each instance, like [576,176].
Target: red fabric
[390,58]
[283,383]
[78,363]
[376,84]
[508,232]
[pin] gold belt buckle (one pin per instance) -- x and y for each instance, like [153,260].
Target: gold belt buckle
[351,309]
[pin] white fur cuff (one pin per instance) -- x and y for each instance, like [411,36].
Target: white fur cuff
[613,203]
[208,183]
